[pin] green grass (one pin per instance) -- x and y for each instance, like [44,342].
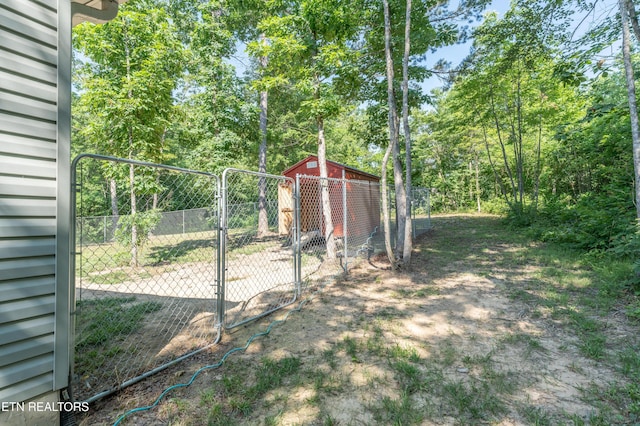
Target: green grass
[400,411]
[462,375]
[160,250]
[102,325]
[529,343]
[103,321]
[242,391]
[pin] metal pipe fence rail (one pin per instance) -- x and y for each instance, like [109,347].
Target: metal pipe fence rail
[185,254]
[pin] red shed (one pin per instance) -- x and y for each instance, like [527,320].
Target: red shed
[361,194]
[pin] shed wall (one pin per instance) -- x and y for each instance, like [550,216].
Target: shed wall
[362,196]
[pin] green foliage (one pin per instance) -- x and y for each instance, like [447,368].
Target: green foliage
[143,222]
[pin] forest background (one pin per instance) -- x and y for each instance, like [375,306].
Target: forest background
[534,124]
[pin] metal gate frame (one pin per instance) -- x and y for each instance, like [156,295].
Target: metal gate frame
[75,187]
[224,250]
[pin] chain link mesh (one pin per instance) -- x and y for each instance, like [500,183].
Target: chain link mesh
[421,210]
[146,275]
[336,233]
[258,252]
[169,267]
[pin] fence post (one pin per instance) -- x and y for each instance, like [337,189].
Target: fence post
[222,248]
[413,213]
[297,235]
[344,222]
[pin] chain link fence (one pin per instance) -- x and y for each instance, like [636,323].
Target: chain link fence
[339,222]
[183,255]
[420,210]
[257,252]
[146,294]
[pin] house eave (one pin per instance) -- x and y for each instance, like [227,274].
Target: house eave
[96,11]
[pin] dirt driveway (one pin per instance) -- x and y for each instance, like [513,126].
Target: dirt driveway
[487,328]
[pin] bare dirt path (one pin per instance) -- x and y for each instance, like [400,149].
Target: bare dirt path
[487,328]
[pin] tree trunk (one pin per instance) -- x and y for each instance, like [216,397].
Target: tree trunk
[324,194]
[633,18]
[498,179]
[132,189]
[386,221]
[536,186]
[113,190]
[631,93]
[476,161]
[408,226]
[401,195]
[505,158]
[393,133]
[263,219]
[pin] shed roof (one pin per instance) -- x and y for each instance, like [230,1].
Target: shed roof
[339,165]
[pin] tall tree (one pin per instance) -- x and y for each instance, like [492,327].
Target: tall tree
[627,12]
[393,133]
[245,16]
[510,81]
[431,24]
[309,50]
[127,83]
[408,231]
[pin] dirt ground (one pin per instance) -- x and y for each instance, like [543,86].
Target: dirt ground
[464,338]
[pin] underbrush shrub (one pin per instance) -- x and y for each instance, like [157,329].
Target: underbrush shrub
[495,205]
[521,215]
[601,222]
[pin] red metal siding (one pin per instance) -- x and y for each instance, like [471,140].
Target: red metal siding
[363,198]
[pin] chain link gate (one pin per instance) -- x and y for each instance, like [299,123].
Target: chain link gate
[257,247]
[146,288]
[182,255]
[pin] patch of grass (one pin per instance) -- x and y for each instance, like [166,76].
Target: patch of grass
[208,398]
[447,354]
[633,311]
[329,355]
[535,415]
[415,294]
[630,360]
[240,393]
[101,321]
[376,344]
[240,405]
[409,377]
[401,411]
[472,402]
[217,417]
[272,373]
[403,353]
[114,277]
[618,403]
[529,342]
[350,347]
[101,327]
[593,345]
